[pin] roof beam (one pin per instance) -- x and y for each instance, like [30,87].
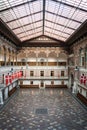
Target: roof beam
[30,34]
[57,30]
[33,38]
[72,6]
[54,34]
[28,30]
[17,5]
[24,16]
[63,17]
[44,4]
[27,24]
[60,24]
[55,40]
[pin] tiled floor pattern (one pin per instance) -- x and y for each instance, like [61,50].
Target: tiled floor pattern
[63,111]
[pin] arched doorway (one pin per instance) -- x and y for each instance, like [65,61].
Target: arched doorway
[72,80]
[42,85]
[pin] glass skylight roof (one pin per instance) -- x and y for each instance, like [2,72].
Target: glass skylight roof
[58,19]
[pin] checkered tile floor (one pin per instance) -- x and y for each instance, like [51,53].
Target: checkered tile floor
[63,111]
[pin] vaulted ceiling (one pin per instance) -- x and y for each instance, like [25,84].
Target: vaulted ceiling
[55,19]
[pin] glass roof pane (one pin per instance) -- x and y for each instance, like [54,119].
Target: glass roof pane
[65,35]
[66,11]
[36,17]
[52,6]
[38,23]
[83,4]
[62,20]
[80,15]
[38,29]
[73,2]
[31,36]
[30,27]
[21,35]
[13,2]
[6,4]
[14,24]
[48,29]
[55,30]
[21,22]
[20,11]
[24,21]
[35,33]
[60,9]
[68,30]
[58,37]
[29,32]
[55,36]
[16,31]
[54,26]
[76,3]
[25,17]
[9,15]
[36,6]
[50,17]
[3,17]
[56,33]
[27,28]
[73,24]
[49,24]
[58,27]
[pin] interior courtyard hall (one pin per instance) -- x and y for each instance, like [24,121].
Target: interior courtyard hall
[43,65]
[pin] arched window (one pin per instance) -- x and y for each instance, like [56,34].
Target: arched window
[42,62]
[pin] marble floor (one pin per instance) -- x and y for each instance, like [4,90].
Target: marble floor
[49,109]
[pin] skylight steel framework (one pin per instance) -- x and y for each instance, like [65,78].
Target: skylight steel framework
[58,19]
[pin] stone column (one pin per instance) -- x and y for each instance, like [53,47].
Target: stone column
[79,58]
[86,57]
[74,89]
[16,59]
[10,58]
[5,58]
[1,97]
[13,58]
[57,61]
[47,61]
[57,58]
[36,59]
